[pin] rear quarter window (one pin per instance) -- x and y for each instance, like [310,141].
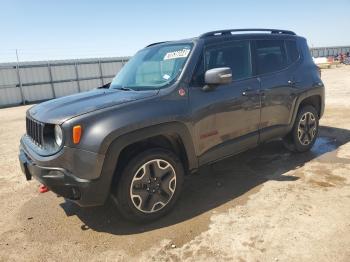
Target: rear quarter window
[292,51]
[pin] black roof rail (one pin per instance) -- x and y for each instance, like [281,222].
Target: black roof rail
[156,43]
[230,31]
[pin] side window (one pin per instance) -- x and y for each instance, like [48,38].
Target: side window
[292,51]
[270,56]
[235,55]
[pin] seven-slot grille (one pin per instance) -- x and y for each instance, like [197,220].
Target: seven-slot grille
[35,130]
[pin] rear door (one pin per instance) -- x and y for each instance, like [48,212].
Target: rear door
[276,70]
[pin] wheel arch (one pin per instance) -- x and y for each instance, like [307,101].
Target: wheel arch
[174,136]
[314,98]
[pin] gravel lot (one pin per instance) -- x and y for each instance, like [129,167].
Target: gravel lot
[263,205]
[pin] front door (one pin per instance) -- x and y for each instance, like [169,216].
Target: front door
[226,119]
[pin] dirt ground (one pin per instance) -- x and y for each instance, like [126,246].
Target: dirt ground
[263,205]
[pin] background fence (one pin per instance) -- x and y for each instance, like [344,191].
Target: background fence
[28,82]
[329,51]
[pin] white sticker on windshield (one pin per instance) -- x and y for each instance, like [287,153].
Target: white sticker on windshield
[166,77]
[177,54]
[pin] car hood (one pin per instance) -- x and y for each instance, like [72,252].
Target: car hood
[58,110]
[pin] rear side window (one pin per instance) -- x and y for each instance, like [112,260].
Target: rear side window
[292,51]
[270,56]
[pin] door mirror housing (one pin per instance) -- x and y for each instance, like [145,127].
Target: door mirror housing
[217,76]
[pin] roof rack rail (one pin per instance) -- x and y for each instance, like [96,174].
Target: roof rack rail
[230,31]
[156,43]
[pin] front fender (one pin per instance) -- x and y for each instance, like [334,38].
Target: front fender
[115,148]
[123,141]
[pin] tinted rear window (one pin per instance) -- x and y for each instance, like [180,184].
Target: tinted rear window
[270,55]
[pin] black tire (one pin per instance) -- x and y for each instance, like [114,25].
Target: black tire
[294,141]
[144,165]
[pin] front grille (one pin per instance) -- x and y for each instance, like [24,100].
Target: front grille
[35,130]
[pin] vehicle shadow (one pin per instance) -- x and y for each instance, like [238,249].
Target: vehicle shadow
[217,184]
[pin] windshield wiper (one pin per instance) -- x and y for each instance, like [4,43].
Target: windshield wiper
[125,88]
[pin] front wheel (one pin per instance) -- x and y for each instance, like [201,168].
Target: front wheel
[304,132]
[149,185]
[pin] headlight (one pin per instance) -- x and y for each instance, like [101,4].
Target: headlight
[58,135]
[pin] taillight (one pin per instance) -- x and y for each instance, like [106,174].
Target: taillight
[319,71]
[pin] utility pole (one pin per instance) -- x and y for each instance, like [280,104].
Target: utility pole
[19,79]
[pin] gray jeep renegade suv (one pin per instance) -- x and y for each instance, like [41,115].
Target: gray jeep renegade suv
[175,106]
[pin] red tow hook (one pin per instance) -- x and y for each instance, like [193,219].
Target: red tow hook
[43,189]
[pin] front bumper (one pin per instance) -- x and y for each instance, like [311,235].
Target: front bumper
[84,192]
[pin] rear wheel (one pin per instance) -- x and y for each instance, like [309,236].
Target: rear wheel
[149,185]
[304,132]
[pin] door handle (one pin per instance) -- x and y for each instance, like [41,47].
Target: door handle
[250,92]
[292,83]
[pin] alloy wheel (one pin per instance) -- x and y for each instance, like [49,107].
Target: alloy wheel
[307,128]
[153,185]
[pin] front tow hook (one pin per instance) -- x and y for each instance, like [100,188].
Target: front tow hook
[43,189]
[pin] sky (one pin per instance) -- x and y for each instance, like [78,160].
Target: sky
[48,29]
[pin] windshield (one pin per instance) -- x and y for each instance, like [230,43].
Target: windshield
[152,68]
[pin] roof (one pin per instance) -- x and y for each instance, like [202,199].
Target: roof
[252,30]
[247,32]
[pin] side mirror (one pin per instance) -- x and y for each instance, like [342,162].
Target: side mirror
[217,76]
